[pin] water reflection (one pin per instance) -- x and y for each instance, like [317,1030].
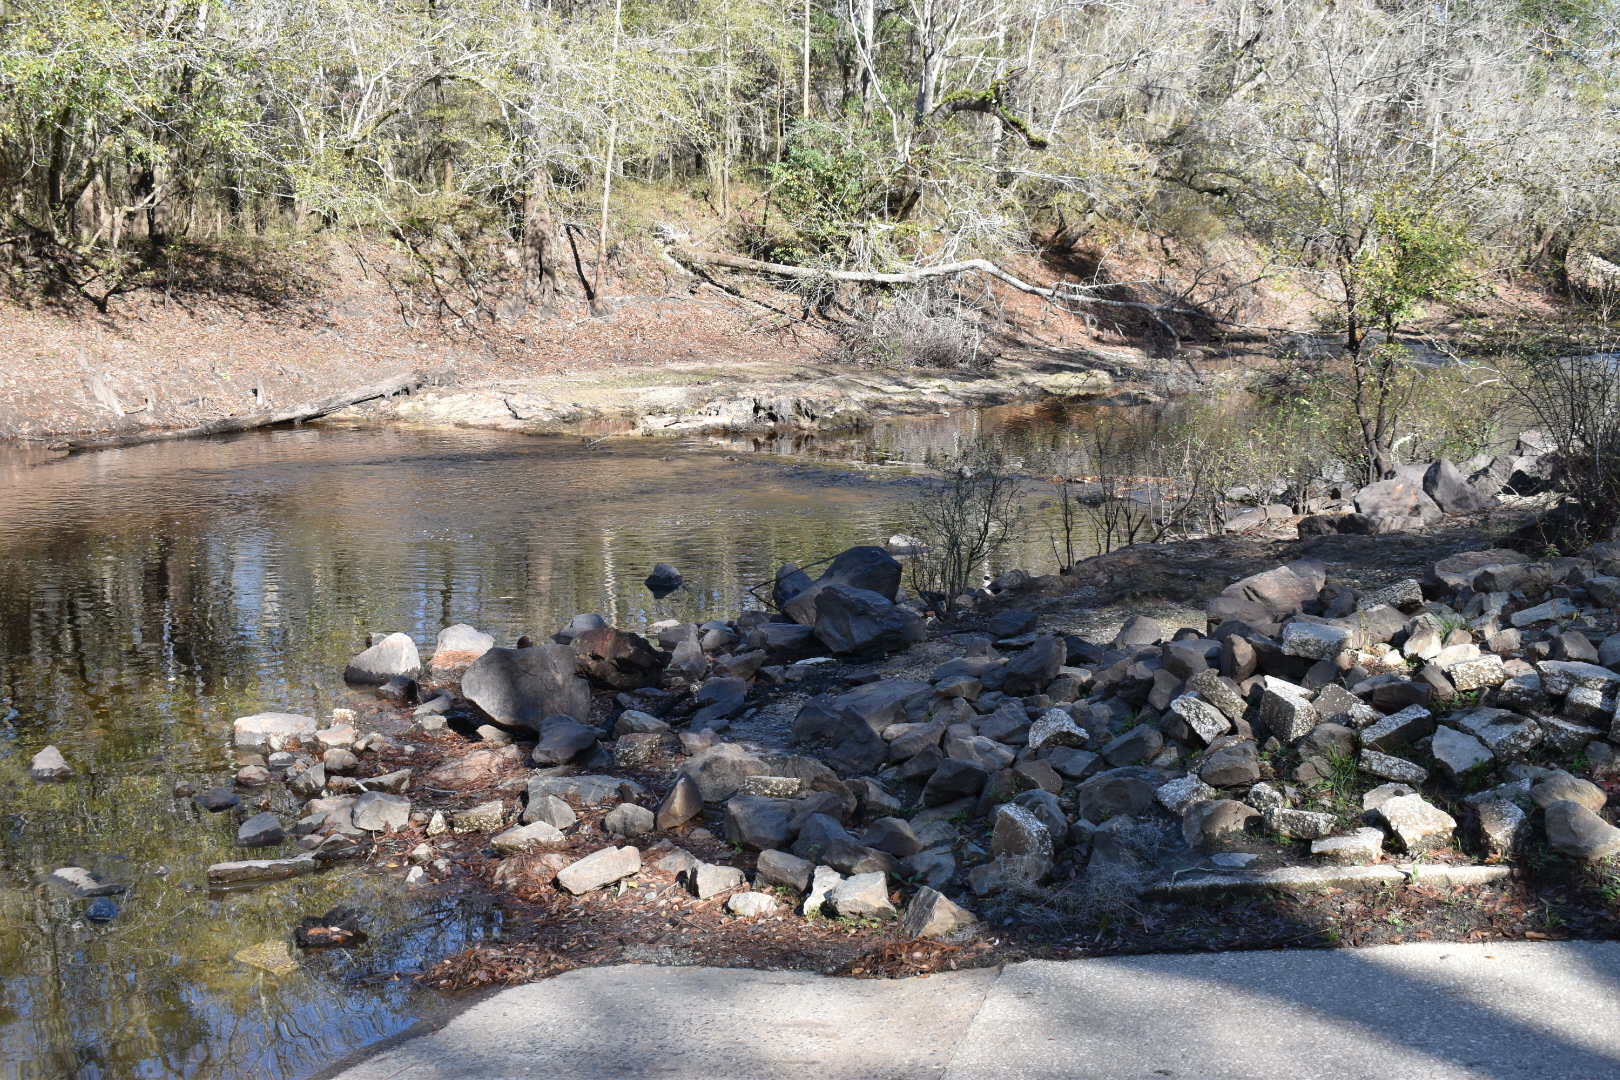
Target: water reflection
[147,596]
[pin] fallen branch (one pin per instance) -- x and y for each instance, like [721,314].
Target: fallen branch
[1062,291]
[292,414]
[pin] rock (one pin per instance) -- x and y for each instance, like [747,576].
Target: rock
[719,771]
[1031,669]
[458,646]
[1217,824]
[717,701]
[1299,824]
[682,803]
[102,909]
[339,762]
[635,722]
[1352,849]
[663,580]
[1503,826]
[628,819]
[270,730]
[851,621]
[822,882]
[401,690]
[1551,611]
[274,957]
[1265,599]
[1452,492]
[49,766]
[1576,831]
[376,811]
[1138,744]
[1473,673]
[1509,735]
[1314,641]
[931,915]
[863,895]
[252,776]
[1054,728]
[216,799]
[474,769]
[781,868]
[562,739]
[601,867]
[1381,794]
[523,687]
[1182,792]
[81,883]
[485,817]
[1126,790]
[1389,767]
[618,660]
[867,568]
[848,727]
[1417,826]
[260,830]
[392,656]
[1233,765]
[1559,677]
[1458,753]
[758,823]
[952,780]
[753,905]
[1399,729]
[708,880]
[1562,787]
[1397,498]
[1285,710]
[521,838]
[1139,630]
[1018,831]
[1203,719]
[550,810]
[255,871]
[1010,623]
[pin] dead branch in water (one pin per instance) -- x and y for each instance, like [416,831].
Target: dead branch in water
[292,414]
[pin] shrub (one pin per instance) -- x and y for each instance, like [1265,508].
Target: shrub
[1576,400]
[963,522]
[920,328]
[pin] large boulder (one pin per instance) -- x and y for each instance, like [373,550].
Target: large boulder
[849,620]
[1030,671]
[522,687]
[1401,498]
[1264,600]
[1452,492]
[1574,830]
[394,655]
[618,659]
[268,730]
[867,567]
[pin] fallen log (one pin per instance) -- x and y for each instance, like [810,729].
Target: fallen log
[291,414]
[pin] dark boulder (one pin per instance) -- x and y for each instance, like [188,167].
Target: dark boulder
[852,621]
[663,580]
[869,568]
[521,687]
[618,659]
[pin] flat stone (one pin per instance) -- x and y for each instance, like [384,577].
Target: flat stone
[1314,641]
[270,729]
[1399,729]
[521,838]
[260,830]
[1562,787]
[82,883]
[1559,677]
[589,790]
[1299,824]
[1509,735]
[274,957]
[377,811]
[1176,795]
[1351,849]
[1457,753]
[601,867]
[1388,767]
[485,817]
[1204,720]
[1551,611]
[217,799]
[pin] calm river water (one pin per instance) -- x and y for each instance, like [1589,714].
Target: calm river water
[150,595]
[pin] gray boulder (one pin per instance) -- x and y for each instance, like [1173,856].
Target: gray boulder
[628,819]
[1453,492]
[852,621]
[377,811]
[1575,831]
[458,646]
[1417,825]
[863,895]
[931,915]
[260,830]
[522,687]
[393,656]
[848,727]
[867,568]
[618,659]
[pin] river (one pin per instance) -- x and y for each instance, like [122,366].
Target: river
[150,595]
